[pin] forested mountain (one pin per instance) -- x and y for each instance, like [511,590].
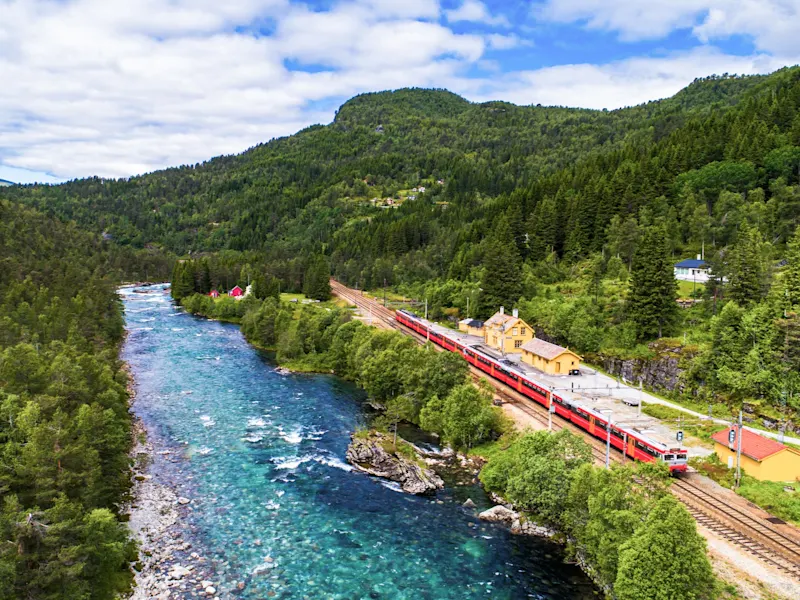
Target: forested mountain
[311,190]
[64,421]
[565,203]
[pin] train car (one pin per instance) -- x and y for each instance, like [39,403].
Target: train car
[633,443]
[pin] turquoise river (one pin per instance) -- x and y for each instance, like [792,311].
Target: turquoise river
[261,455]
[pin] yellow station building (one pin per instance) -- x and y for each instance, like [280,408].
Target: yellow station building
[550,358]
[506,333]
[763,458]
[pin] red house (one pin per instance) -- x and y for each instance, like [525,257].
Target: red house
[236,292]
[214,294]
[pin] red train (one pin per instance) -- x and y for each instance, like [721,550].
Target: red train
[634,444]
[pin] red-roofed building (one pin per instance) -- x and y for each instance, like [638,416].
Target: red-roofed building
[762,457]
[214,294]
[236,292]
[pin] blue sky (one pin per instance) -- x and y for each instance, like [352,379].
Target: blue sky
[116,88]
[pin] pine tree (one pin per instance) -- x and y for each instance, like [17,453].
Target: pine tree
[204,280]
[652,302]
[791,275]
[542,229]
[182,280]
[747,270]
[316,283]
[501,284]
[676,567]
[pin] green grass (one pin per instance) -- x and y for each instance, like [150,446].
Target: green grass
[685,288]
[701,430]
[490,450]
[286,297]
[769,495]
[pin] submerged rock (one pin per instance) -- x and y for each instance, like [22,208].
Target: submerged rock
[469,503]
[376,455]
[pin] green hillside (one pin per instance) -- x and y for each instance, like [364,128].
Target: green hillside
[572,206]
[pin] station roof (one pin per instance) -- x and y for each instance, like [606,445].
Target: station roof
[691,263]
[499,318]
[472,322]
[545,349]
[755,446]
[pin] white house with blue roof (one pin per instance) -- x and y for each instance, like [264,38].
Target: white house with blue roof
[692,269]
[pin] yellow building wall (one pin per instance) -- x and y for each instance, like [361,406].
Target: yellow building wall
[560,365]
[781,466]
[478,331]
[507,342]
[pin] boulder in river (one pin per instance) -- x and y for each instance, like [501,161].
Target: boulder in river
[376,454]
[499,514]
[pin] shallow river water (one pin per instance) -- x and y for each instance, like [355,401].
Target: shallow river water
[261,456]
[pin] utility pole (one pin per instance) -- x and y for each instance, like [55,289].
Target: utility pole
[641,400]
[739,454]
[426,309]
[468,307]
[384,292]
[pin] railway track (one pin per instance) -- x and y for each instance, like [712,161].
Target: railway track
[750,533]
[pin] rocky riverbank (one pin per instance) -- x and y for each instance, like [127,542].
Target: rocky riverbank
[517,521]
[167,567]
[376,454]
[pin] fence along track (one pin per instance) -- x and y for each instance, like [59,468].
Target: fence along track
[729,522]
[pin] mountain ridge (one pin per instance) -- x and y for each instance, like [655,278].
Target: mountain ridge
[296,194]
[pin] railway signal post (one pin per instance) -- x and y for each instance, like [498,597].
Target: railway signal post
[739,454]
[608,443]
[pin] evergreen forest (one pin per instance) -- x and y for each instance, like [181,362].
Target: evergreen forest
[574,216]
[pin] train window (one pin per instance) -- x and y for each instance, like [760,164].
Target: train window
[682,456]
[669,457]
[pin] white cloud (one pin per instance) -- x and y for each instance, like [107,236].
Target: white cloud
[614,85]
[633,19]
[114,88]
[771,23]
[475,11]
[498,41]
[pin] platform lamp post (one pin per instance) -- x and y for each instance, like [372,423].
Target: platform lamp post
[739,454]
[608,439]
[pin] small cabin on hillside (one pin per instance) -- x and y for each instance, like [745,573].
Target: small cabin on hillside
[506,333]
[471,327]
[550,358]
[236,292]
[214,294]
[692,269]
[762,457]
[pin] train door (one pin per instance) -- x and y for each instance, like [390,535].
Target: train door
[630,448]
[591,424]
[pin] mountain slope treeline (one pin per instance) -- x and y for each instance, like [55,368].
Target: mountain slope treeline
[64,421]
[571,196]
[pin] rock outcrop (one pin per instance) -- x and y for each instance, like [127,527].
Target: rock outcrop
[374,454]
[660,372]
[517,521]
